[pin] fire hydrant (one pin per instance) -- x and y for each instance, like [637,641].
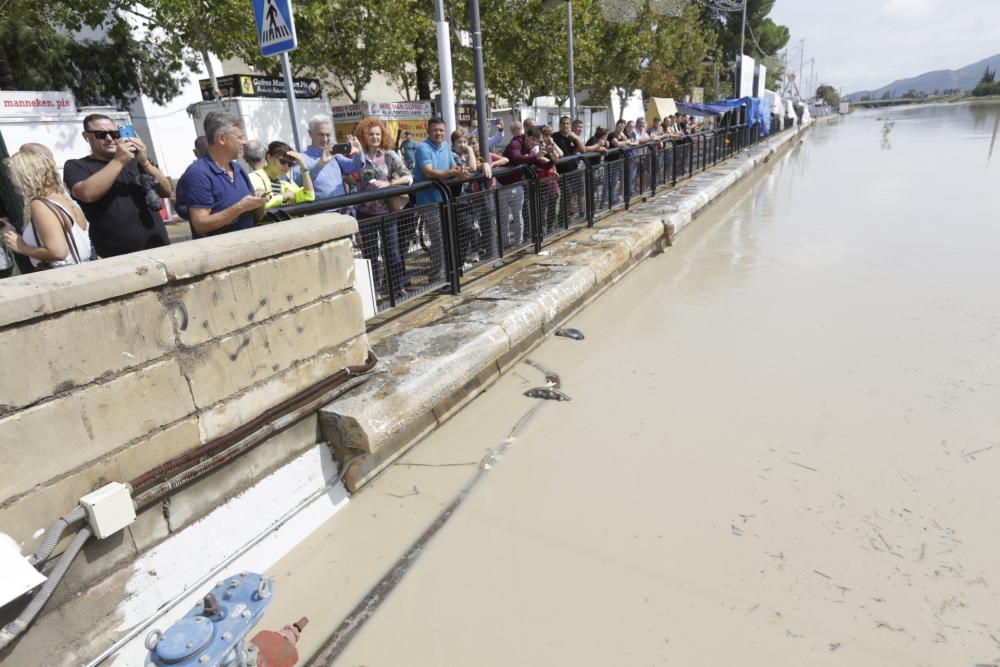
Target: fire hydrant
[214,632]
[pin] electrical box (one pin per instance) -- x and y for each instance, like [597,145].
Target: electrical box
[109,509]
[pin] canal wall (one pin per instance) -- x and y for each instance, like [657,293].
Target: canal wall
[114,367]
[433,363]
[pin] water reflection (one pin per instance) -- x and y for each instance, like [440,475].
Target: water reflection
[886,130]
[993,141]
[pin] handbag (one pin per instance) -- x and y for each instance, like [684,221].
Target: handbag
[67,226]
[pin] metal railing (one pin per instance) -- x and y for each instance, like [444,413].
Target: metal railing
[416,250]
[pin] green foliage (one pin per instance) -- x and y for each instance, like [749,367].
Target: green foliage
[346,43]
[986,89]
[829,95]
[40,50]
[989,76]
[679,48]
[524,48]
[764,37]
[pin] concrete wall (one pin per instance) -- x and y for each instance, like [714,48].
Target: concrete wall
[115,366]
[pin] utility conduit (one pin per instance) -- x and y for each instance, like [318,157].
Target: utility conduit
[209,456]
[243,432]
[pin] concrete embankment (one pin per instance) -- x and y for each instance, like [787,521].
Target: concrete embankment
[437,360]
[112,368]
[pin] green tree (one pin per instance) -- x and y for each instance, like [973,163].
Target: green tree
[986,89]
[346,43]
[829,95]
[989,76]
[679,48]
[40,49]
[764,37]
[524,50]
[615,56]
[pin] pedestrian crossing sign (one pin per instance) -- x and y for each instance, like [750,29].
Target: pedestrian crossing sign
[275,26]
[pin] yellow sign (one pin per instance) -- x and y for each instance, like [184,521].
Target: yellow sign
[398,117]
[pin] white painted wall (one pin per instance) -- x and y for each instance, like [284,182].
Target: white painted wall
[251,532]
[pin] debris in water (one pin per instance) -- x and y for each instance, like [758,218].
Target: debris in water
[547,393]
[575,334]
[414,492]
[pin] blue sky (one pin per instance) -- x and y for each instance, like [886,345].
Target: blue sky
[861,44]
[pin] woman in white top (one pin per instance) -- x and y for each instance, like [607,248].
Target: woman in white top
[55,233]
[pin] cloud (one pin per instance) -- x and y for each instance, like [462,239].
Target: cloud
[909,10]
[863,44]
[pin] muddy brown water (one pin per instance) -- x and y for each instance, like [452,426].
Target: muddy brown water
[782,448]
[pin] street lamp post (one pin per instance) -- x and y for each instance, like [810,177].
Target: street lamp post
[572,84]
[552,4]
[444,65]
[480,78]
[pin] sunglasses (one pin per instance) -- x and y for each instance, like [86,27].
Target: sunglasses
[104,134]
[287,163]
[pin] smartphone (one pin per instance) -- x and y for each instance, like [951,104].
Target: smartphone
[126,131]
[341,149]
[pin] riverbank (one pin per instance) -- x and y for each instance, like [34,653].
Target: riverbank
[437,359]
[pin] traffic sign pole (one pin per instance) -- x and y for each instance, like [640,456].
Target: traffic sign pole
[286,70]
[276,36]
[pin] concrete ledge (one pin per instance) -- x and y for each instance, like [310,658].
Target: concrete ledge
[216,253]
[50,292]
[434,364]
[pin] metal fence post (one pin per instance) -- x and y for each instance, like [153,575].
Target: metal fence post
[390,280]
[673,163]
[627,177]
[588,181]
[534,209]
[449,241]
[607,173]
[498,225]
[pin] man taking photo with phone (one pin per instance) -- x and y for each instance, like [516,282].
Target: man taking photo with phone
[119,190]
[327,162]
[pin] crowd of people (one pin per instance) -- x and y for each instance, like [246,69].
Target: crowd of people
[109,202]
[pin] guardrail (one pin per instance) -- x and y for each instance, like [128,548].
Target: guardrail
[415,250]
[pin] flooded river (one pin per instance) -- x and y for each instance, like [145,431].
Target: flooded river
[783,444]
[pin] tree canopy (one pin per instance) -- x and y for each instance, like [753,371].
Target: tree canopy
[108,51]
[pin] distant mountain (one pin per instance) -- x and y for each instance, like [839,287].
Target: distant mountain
[964,79]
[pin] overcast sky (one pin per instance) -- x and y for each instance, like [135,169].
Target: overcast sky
[865,44]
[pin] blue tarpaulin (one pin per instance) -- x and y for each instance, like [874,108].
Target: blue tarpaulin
[758,110]
[701,109]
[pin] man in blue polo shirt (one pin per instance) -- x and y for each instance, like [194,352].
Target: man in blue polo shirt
[435,162]
[215,189]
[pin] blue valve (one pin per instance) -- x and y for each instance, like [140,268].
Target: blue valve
[214,633]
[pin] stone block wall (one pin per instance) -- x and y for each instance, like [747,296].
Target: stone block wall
[110,368]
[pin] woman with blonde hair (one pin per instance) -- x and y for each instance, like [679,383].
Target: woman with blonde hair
[55,231]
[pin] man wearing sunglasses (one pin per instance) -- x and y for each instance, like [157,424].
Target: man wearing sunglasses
[113,185]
